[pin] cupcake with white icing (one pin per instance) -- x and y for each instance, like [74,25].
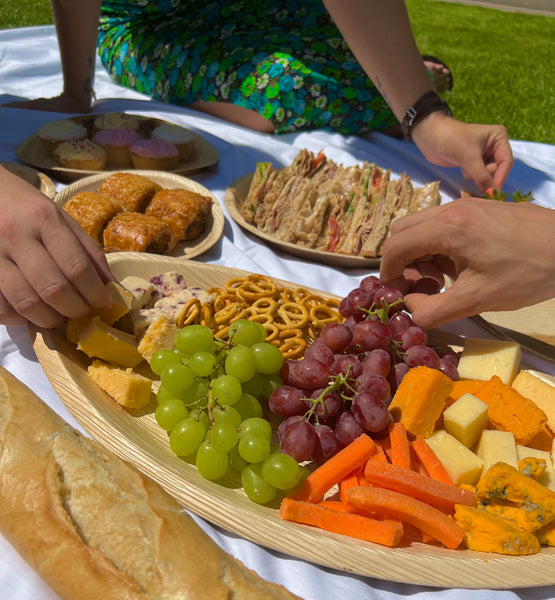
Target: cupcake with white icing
[54,133]
[182,138]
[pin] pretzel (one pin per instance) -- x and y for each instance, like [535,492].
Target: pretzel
[257,286]
[321,314]
[287,295]
[264,306]
[232,284]
[206,316]
[292,314]
[312,301]
[189,314]
[267,320]
[291,317]
[292,347]
[230,313]
[224,299]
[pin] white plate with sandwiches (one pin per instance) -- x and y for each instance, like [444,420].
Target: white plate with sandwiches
[32,152]
[213,220]
[321,211]
[136,438]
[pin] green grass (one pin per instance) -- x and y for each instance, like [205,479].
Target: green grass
[502,62]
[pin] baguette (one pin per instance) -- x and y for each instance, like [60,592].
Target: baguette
[93,526]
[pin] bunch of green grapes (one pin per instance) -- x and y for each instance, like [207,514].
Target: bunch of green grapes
[209,402]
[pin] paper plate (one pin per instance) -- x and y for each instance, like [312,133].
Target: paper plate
[135,437]
[31,152]
[213,230]
[32,176]
[234,197]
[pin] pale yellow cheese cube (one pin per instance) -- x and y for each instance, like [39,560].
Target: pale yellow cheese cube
[481,359]
[547,478]
[160,335]
[99,340]
[126,387]
[539,391]
[465,419]
[141,289]
[121,304]
[497,446]
[462,465]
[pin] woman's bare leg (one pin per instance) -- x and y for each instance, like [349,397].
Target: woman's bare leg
[237,115]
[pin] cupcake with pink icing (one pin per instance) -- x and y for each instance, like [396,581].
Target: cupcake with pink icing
[154,154]
[116,142]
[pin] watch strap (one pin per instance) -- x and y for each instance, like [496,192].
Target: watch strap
[425,105]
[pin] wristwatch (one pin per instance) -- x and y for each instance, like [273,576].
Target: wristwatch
[427,103]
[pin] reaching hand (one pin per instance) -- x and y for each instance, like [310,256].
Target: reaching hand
[482,152]
[50,268]
[501,256]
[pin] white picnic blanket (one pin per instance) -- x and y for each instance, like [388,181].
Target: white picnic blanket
[29,68]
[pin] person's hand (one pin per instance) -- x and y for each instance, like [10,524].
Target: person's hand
[501,256]
[64,103]
[50,269]
[482,152]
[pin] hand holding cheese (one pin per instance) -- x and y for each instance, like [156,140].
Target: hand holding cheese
[500,255]
[51,270]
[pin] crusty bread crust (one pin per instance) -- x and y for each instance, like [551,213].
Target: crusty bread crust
[93,526]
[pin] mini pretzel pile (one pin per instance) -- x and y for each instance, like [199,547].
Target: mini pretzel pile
[293,318]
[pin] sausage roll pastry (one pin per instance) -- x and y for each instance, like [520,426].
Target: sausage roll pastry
[186,212]
[93,211]
[132,191]
[135,232]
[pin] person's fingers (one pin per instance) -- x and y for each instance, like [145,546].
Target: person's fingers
[477,171]
[502,171]
[72,258]
[8,316]
[21,302]
[94,252]
[421,239]
[430,311]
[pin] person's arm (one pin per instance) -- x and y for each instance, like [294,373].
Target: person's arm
[379,34]
[50,268]
[501,256]
[77,31]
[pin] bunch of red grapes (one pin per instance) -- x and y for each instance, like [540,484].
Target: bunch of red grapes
[343,385]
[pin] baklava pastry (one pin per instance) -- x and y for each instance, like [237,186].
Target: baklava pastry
[93,211]
[132,191]
[186,212]
[135,232]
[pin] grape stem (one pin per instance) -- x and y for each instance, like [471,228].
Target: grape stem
[338,381]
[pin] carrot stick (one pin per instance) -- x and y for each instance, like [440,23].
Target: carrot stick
[400,448]
[361,476]
[387,532]
[430,461]
[335,469]
[384,448]
[337,505]
[380,454]
[404,508]
[348,482]
[422,487]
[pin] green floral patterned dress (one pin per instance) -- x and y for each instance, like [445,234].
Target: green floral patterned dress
[286,60]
